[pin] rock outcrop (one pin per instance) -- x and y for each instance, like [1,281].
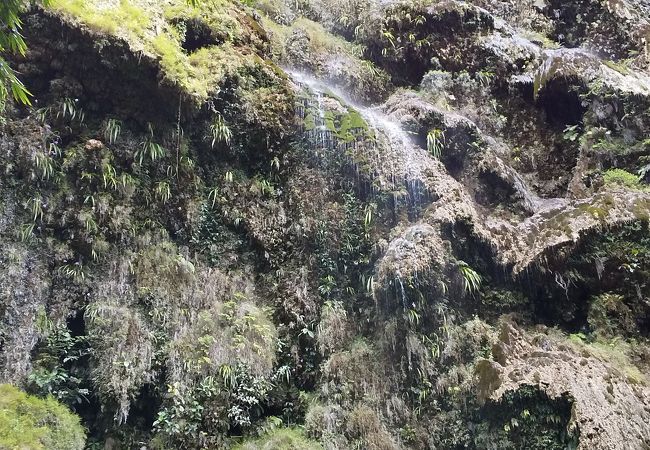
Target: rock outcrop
[611,404]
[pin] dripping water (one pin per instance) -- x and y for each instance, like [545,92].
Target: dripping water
[393,161]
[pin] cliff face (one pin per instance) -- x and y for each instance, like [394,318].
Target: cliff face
[361,224]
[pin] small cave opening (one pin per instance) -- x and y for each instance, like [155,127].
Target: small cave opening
[469,247]
[557,305]
[79,368]
[76,324]
[534,407]
[561,103]
[144,408]
[563,290]
[197,35]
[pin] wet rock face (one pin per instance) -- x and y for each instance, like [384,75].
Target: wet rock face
[236,217]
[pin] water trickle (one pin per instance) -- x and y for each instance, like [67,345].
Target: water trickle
[403,296]
[379,154]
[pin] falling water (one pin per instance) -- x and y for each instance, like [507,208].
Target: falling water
[402,291]
[394,162]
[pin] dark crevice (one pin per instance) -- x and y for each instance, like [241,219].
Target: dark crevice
[561,103]
[197,35]
[493,191]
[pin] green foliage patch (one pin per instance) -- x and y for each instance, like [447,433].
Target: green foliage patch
[528,419]
[280,439]
[27,422]
[620,177]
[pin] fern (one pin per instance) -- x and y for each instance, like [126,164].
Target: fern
[369,283]
[109,176]
[25,232]
[74,271]
[413,317]
[435,142]
[163,191]
[275,163]
[368,215]
[126,181]
[90,224]
[227,374]
[42,114]
[69,110]
[213,195]
[44,165]
[89,200]
[12,41]
[35,205]
[112,130]
[220,131]
[151,151]
[262,186]
[471,279]
[17,88]
[54,149]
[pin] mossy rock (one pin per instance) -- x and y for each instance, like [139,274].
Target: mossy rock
[196,48]
[309,123]
[620,177]
[27,422]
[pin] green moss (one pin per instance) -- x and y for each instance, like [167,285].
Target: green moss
[329,121]
[346,126]
[132,20]
[27,422]
[154,30]
[620,68]
[215,14]
[537,37]
[309,123]
[624,178]
[320,40]
[597,212]
[352,121]
[281,439]
[616,352]
[174,61]
[363,77]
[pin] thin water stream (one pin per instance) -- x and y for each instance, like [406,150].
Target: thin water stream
[394,162]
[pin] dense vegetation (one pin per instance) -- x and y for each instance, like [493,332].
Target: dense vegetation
[211,240]
[29,422]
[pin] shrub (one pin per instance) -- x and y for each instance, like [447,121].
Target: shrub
[27,422]
[233,333]
[609,315]
[334,329]
[624,178]
[122,353]
[280,439]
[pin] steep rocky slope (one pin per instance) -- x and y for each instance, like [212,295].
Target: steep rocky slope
[339,224]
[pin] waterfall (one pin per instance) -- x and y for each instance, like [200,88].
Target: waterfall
[384,153]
